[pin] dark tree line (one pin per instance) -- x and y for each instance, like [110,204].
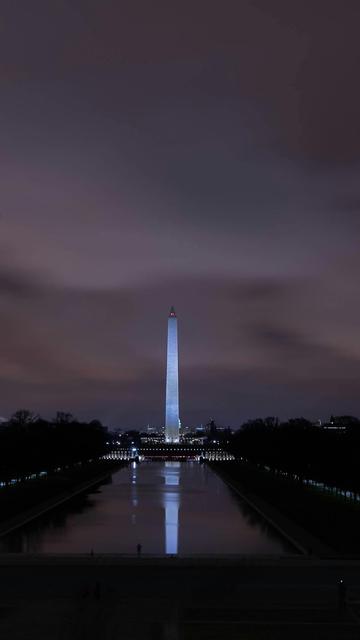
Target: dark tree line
[328,453]
[29,444]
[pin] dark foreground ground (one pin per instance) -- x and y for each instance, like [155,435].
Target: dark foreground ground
[112,597]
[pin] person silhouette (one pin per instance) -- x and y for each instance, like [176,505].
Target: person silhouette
[138,549]
[342,591]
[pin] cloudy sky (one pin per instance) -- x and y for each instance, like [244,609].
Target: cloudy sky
[198,154]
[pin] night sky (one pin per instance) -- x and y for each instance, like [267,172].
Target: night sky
[197,154]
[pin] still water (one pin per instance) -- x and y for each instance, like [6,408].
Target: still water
[167,507]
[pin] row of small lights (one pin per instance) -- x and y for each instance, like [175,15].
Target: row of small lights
[209,456]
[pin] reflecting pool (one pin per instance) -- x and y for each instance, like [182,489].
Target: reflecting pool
[166,507]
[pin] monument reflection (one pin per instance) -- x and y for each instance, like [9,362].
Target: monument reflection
[171,504]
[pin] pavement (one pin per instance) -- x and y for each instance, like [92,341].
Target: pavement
[128,598]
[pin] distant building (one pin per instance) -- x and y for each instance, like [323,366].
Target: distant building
[342,423]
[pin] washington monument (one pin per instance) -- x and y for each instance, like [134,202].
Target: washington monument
[172,381]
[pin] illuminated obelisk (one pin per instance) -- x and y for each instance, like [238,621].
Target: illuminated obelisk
[172,381]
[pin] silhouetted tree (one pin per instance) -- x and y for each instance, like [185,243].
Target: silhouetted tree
[63,418]
[22,417]
[301,449]
[30,444]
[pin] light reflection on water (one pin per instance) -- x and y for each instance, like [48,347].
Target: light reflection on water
[171,506]
[167,507]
